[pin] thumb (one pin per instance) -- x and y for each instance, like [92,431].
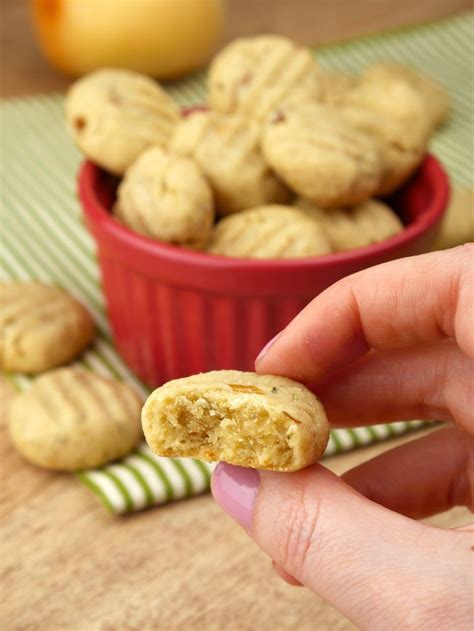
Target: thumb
[372,564]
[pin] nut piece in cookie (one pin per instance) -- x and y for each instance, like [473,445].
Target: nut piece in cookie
[252,76]
[269,232]
[348,228]
[114,115]
[227,148]
[251,420]
[41,327]
[73,419]
[166,197]
[321,156]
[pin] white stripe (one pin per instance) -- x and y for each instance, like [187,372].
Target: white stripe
[109,488]
[169,469]
[363,435]
[345,438]
[196,475]
[132,485]
[150,476]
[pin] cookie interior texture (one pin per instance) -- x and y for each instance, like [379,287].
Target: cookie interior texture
[259,421]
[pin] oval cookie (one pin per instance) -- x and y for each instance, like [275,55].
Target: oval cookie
[73,419]
[251,420]
[41,327]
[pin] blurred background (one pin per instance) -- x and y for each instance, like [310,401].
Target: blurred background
[25,70]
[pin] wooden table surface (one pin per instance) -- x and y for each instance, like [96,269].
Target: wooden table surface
[67,565]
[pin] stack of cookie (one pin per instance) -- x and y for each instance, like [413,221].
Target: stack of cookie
[69,418]
[288,156]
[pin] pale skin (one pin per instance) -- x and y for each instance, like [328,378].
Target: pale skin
[390,343]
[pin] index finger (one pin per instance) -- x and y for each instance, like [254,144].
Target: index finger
[394,305]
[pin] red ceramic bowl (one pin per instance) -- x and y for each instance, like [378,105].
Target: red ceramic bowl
[175,312]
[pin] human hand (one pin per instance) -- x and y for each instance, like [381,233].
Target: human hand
[390,343]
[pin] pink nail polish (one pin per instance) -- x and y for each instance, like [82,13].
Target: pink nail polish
[234,489]
[267,346]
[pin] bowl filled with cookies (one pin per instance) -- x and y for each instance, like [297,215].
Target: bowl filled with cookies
[215,226]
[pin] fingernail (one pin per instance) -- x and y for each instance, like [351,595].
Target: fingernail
[234,489]
[267,346]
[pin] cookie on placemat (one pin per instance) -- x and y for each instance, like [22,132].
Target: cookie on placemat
[269,232]
[251,420]
[252,76]
[166,197]
[348,228]
[41,327]
[73,419]
[321,156]
[227,148]
[114,115]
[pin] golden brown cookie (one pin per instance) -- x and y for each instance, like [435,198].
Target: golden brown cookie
[114,115]
[73,419]
[252,76]
[41,327]
[321,156]
[227,148]
[251,420]
[269,232]
[166,197]
[348,228]
[335,85]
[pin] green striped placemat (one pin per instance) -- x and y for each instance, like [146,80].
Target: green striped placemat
[43,236]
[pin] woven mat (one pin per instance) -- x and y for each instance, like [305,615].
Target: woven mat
[43,236]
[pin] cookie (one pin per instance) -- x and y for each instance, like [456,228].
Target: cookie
[252,76]
[435,97]
[394,113]
[166,197]
[349,228]
[227,148]
[269,232]
[321,156]
[251,420]
[41,327]
[73,419]
[114,115]
[334,86]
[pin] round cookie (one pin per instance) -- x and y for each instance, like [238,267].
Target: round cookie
[269,232]
[114,115]
[250,420]
[41,327]
[227,148]
[252,76]
[348,228]
[73,419]
[335,85]
[434,95]
[321,156]
[166,197]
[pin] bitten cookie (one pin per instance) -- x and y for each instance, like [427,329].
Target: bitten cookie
[434,95]
[73,419]
[321,156]
[252,76]
[269,232]
[349,228]
[41,327]
[166,197]
[251,420]
[114,115]
[227,148]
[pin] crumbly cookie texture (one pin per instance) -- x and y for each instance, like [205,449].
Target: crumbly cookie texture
[434,95]
[252,76]
[251,420]
[73,419]
[348,228]
[321,156]
[166,197]
[41,327]
[269,232]
[394,113]
[227,148]
[114,115]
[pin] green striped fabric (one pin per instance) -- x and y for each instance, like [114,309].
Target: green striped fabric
[43,236]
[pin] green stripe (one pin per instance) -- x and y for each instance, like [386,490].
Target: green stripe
[84,478]
[150,499]
[169,491]
[121,488]
[355,439]
[337,442]
[204,471]
[188,485]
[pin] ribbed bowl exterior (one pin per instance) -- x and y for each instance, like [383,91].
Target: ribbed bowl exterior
[175,312]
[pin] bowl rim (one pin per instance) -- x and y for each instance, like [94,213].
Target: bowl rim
[101,219]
